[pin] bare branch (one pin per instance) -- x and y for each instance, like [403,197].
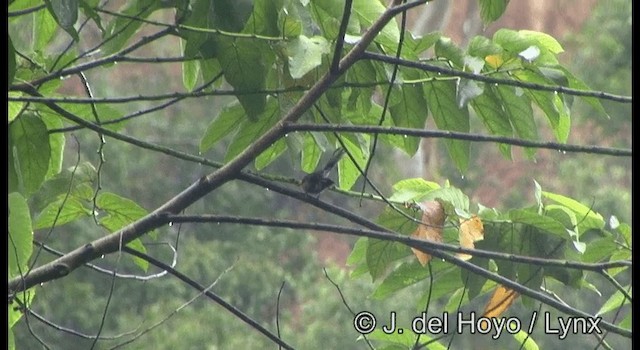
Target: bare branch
[454,135]
[491,80]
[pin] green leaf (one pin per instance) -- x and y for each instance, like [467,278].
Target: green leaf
[407,274]
[412,189]
[305,54]
[525,341]
[250,130]
[512,41]
[20,235]
[420,44]
[615,302]
[14,108]
[61,212]
[29,151]
[264,19]
[544,40]
[122,28]
[246,64]
[409,109]
[452,195]
[119,211]
[467,90]
[311,153]
[518,109]
[395,221]
[575,83]
[26,299]
[289,22]
[446,48]
[348,173]
[66,14]
[541,222]
[136,244]
[190,73]
[491,10]
[229,119]
[587,218]
[81,188]
[44,28]
[444,284]
[359,252]
[11,60]
[88,10]
[328,13]
[489,108]
[472,281]
[56,143]
[441,99]
[481,47]
[270,154]
[367,12]
[600,249]
[380,255]
[550,103]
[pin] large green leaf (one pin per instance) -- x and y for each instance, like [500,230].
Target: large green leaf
[66,14]
[311,153]
[264,17]
[229,119]
[539,221]
[305,54]
[551,104]
[11,60]
[327,14]
[408,274]
[348,173]
[490,110]
[491,10]
[44,28]
[249,130]
[270,154]
[29,152]
[20,243]
[246,64]
[120,212]
[368,11]
[441,99]
[56,143]
[121,29]
[518,110]
[588,219]
[409,109]
[61,212]
[380,255]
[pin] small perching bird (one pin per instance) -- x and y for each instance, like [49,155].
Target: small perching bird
[319,180]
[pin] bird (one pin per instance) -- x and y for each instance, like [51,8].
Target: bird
[319,181]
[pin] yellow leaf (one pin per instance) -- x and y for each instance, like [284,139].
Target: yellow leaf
[494,61]
[471,230]
[500,301]
[431,227]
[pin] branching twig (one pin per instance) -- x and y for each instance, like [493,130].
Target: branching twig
[453,135]
[491,80]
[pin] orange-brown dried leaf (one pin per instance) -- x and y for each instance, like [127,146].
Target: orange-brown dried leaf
[471,230]
[500,301]
[430,229]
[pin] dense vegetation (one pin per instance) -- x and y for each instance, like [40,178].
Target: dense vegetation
[156,148]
